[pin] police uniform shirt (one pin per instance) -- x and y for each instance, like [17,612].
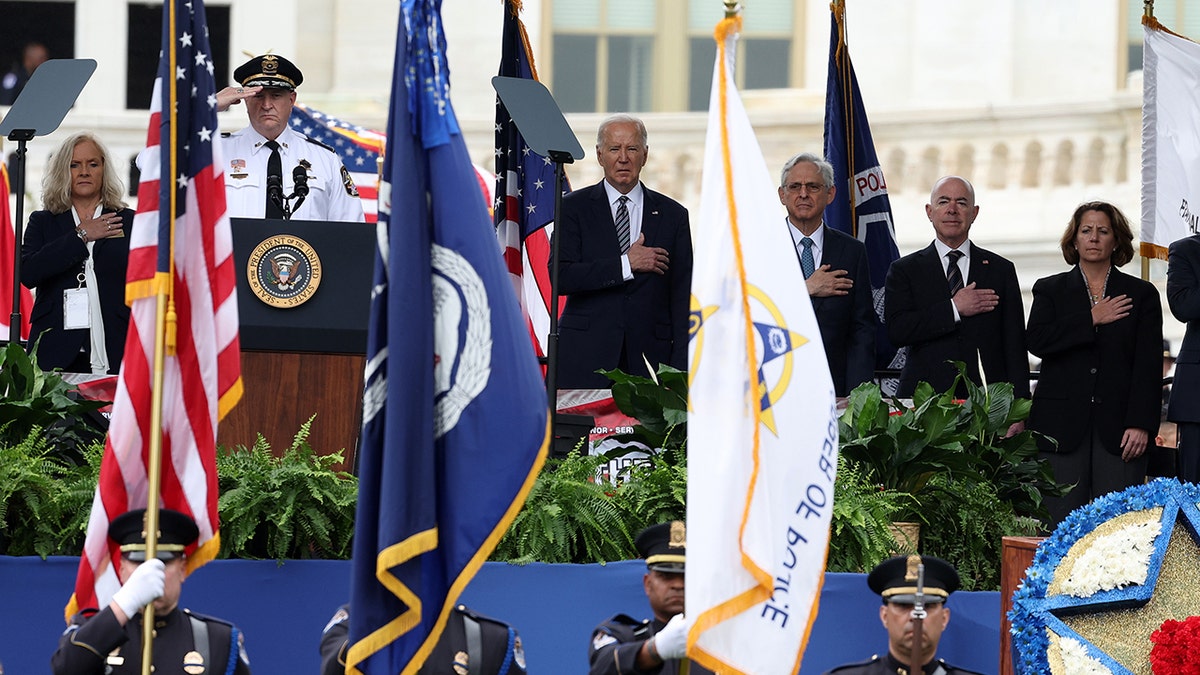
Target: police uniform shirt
[502,652]
[615,645]
[888,665]
[97,644]
[331,196]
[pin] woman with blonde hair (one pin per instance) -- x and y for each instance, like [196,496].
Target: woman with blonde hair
[74,257]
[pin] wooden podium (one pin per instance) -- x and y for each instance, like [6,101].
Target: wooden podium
[1016,555]
[302,347]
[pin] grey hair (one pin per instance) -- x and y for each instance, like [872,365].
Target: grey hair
[823,167]
[622,118]
[56,183]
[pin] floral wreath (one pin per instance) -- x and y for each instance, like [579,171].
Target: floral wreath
[1113,590]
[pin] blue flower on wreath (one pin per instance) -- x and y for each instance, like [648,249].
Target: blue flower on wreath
[1034,610]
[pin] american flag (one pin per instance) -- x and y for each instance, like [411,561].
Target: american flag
[524,203]
[361,150]
[8,247]
[188,257]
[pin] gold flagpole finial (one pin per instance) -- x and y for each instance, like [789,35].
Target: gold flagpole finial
[1148,8]
[732,8]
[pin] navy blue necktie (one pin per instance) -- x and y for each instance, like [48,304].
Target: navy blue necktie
[623,223]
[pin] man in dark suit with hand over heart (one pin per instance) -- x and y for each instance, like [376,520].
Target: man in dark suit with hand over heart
[835,270]
[625,267]
[954,301]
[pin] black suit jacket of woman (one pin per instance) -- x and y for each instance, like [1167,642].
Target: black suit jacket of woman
[1107,377]
[52,258]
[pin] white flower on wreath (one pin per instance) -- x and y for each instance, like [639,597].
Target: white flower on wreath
[1114,560]
[1076,660]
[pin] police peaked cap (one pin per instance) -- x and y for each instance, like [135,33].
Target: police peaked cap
[895,579]
[269,70]
[664,546]
[176,531]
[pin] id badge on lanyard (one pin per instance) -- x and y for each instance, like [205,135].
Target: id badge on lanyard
[75,307]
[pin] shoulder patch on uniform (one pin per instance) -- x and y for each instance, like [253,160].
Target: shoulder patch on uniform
[348,182]
[518,650]
[316,142]
[602,638]
[338,617]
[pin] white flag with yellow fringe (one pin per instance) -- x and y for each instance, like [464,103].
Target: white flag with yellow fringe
[1170,139]
[762,425]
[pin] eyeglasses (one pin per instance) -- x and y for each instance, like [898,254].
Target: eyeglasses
[804,187]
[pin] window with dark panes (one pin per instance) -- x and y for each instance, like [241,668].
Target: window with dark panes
[143,47]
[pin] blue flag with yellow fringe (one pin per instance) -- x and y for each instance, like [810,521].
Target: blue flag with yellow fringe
[454,409]
[861,207]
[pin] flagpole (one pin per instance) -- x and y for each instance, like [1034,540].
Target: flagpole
[1147,14]
[161,339]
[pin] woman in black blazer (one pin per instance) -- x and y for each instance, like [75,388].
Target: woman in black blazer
[1098,332]
[74,257]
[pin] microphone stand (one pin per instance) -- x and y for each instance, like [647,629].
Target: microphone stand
[21,136]
[918,619]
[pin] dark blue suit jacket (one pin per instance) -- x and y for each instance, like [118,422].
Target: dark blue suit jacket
[1105,377]
[52,258]
[918,315]
[1183,296]
[847,321]
[604,313]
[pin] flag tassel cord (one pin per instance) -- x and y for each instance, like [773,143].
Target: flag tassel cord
[838,7]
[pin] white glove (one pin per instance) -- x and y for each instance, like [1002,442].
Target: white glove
[671,641]
[144,586]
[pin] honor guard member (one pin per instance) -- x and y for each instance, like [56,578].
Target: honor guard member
[895,580]
[472,643]
[109,641]
[271,153]
[624,645]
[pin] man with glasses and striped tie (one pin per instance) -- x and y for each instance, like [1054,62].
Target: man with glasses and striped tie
[835,270]
[954,301]
[625,268]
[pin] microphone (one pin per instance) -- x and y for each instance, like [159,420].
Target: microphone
[300,182]
[275,190]
[299,186]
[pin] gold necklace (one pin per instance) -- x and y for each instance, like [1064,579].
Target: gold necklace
[1093,294]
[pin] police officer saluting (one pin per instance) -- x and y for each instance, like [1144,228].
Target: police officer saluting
[623,645]
[269,165]
[895,580]
[110,640]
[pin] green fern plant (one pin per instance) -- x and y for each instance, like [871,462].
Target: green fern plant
[291,506]
[860,536]
[570,516]
[965,525]
[76,492]
[29,488]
